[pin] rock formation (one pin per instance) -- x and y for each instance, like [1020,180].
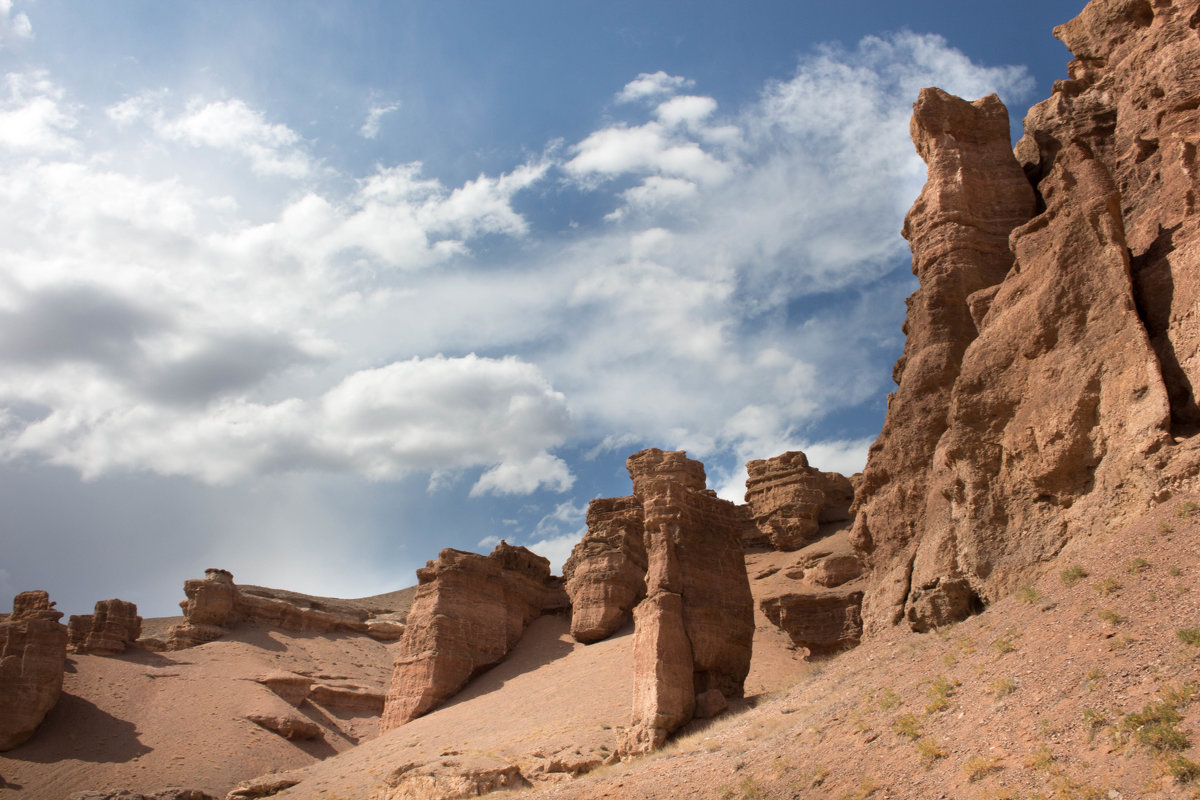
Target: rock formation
[215,602]
[789,500]
[113,626]
[1045,370]
[33,655]
[469,611]
[693,631]
[605,575]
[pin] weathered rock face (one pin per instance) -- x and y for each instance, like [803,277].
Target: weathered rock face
[693,631]
[215,603]
[1076,368]
[469,611]
[113,626]
[958,229]
[789,500]
[605,575]
[33,656]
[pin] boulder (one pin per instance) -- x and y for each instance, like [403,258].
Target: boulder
[469,612]
[33,656]
[605,574]
[292,688]
[693,631]
[288,724]
[109,629]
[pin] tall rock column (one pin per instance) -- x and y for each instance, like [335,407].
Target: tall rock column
[693,632]
[33,657]
[975,195]
[605,575]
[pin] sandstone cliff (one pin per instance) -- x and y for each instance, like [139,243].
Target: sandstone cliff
[1049,356]
[33,654]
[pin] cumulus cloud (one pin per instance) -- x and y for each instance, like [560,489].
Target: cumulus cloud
[375,114]
[33,118]
[271,147]
[13,26]
[650,85]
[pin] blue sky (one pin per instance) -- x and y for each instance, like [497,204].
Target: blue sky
[311,291]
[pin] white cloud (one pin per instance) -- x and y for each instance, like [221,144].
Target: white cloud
[375,114]
[688,109]
[231,125]
[649,85]
[33,117]
[12,25]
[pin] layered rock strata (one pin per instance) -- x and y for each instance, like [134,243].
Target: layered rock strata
[694,629]
[33,656]
[215,603]
[109,629]
[789,501]
[1047,399]
[469,612]
[605,574]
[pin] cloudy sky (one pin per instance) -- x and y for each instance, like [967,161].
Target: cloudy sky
[309,291]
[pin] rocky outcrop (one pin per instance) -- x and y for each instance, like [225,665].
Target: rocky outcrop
[815,597]
[109,629]
[789,500]
[469,612]
[33,656]
[693,631]
[1057,394]
[605,574]
[437,781]
[215,603]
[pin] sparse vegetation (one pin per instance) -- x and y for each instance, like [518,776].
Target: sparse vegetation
[1189,636]
[1028,594]
[1173,571]
[1003,645]
[1137,566]
[888,700]
[1094,720]
[1108,586]
[1109,616]
[866,788]
[1073,575]
[1183,769]
[908,726]
[939,695]
[1165,527]
[1188,510]
[1041,760]
[1001,687]
[930,750]
[750,788]
[979,767]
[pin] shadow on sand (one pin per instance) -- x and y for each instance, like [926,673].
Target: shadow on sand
[76,728]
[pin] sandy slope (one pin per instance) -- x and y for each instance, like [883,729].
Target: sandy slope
[144,721]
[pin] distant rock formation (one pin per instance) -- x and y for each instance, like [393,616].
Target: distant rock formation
[469,612]
[113,626]
[1050,358]
[170,793]
[605,575]
[789,500]
[693,631]
[33,657]
[215,602]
